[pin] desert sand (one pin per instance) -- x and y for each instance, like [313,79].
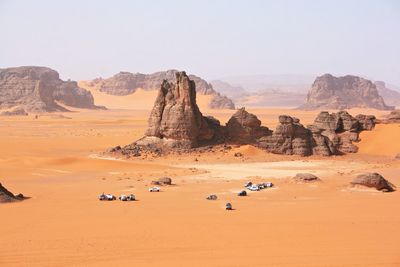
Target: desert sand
[56,160]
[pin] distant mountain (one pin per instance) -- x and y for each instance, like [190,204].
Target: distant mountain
[40,89]
[330,92]
[283,82]
[271,98]
[126,83]
[277,93]
[391,97]
[228,89]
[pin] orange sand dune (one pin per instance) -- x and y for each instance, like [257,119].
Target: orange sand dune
[56,162]
[383,140]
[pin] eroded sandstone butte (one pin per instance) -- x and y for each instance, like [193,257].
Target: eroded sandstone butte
[126,83]
[40,89]
[176,124]
[330,92]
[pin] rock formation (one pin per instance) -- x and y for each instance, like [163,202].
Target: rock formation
[176,120]
[329,92]
[306,178]
[374,180]
[17,111]
[36,89]
[244,128]
[342,129]
[125,83]
[292,138]
[390,96]
[70,94]
[162,181]
[176,124]
[7,196]
[393,117]
[330,134]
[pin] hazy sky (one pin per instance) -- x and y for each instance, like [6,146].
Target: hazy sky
[88,39]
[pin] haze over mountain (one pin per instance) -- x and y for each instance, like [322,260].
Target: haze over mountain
[283,90]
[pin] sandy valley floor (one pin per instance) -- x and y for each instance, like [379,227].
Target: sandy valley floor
[54,159]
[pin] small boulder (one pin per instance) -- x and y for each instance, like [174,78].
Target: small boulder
[374,180]
[7,196]
[306,177]
[162,181]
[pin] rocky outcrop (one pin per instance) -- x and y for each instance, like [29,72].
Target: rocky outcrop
[38,89]
[176,124]
[331,134]
[393,117]
[7,196]
[329,92]
[292,138]
[342,129]
[245,128]
[70,94]
[366,122]
[390,96]
[306,178]
[17,111]
[176,121]
[219,101]
[374,180]
[125,83]
[162,181]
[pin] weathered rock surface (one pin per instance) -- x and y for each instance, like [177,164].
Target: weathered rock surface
[366,122]
[393,117]
[176,124]
[7,196]
[374,180]
[390,96]
[329,92]
[70,94]
[219,101]
[306,178]
[331,134]
[342,129]
[292,138]
[176,120]
[162,181]
[244,128]
[36,89]
[17,111]
[125,83]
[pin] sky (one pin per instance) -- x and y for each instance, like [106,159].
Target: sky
[209,38]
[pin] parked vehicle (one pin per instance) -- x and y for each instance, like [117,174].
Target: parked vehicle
[242,193]
[154,189]
[212,197]
[108,197]
[254,187]
[268,184]
[248,184]
[228,206]
[130,197]
[261,186]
